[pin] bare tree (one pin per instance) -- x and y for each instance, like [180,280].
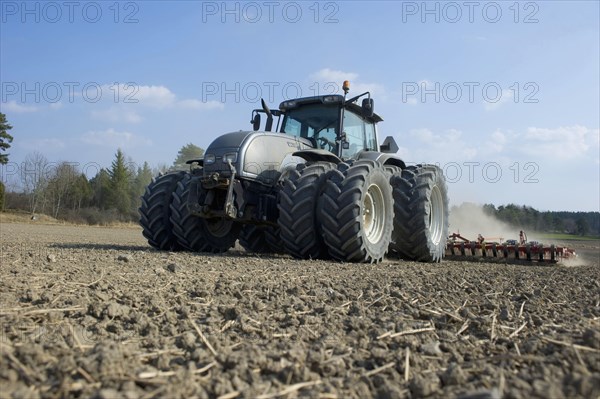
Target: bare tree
[62,179]
[33,176]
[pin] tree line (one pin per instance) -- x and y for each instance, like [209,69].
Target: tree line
[63,191]
[526,217]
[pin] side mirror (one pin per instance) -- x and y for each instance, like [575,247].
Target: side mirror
[256,122]
[368,107]
[389,146]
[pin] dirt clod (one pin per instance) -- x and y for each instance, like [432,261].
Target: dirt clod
[173,267]
[125,258]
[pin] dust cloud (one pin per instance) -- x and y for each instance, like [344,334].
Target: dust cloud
[470,220]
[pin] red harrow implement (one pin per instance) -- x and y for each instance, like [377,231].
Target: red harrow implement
[532,251]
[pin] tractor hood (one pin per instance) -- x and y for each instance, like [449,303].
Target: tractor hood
[229,140]
[258,156]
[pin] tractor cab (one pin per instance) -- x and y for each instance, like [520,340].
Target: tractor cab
[329,122]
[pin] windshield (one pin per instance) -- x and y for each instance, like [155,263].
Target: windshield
[316,122]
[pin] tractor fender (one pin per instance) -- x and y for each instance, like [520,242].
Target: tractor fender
[316,155]
[384,159]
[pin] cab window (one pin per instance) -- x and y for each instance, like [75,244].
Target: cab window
[355,136]
[311,121]
[370,136]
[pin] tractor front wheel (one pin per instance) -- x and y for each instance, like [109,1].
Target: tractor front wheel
[198,234]
[155,212]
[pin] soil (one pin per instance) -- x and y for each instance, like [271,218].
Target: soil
[95,312]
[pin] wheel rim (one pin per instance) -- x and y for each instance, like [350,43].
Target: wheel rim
[218,227]
[373,214]
[436,215]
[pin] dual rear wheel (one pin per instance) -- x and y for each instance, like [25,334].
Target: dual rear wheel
[359,212]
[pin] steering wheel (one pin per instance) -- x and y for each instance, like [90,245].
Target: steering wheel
[324,141]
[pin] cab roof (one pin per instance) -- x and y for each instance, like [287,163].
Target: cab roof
[326,99]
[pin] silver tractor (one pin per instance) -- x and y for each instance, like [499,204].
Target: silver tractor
[317,186]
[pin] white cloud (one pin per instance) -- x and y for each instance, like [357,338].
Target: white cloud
[505,96]
[565,142]
[154,96]
[159,97]
[199,105]
[534,144]
[428,146]
[13,106]
[332,75]
[56,106]
[116,114]
[113,138]
[424,135]
[327,75]
[497,141]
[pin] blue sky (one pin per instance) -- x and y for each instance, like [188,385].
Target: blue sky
[503,95]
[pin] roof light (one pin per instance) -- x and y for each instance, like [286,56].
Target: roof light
[346,86]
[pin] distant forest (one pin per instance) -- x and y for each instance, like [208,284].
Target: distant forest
[580,223]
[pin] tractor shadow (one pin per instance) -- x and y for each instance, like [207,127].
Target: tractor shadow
[93,246]
[232,253]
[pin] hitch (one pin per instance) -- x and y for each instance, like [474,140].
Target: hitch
[230,209]
[203,194]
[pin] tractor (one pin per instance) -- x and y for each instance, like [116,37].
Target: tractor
[316,186]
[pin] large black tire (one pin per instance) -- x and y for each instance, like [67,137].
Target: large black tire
[300,228]
[198,234]
[261,239]
[421,214]
[356,210]
[155,212]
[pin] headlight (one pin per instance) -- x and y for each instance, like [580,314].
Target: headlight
[209,159]
[230,157]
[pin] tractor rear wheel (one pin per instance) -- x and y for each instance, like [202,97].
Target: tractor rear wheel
[420,213]
[198,234]
[356,210]
[155,212]
[300,227]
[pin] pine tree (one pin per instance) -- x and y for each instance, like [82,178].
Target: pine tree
[80,192]
[119,184]
[143,177]
[186,153]
[101,188]
[5,138]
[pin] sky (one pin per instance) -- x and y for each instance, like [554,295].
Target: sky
[504,96]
